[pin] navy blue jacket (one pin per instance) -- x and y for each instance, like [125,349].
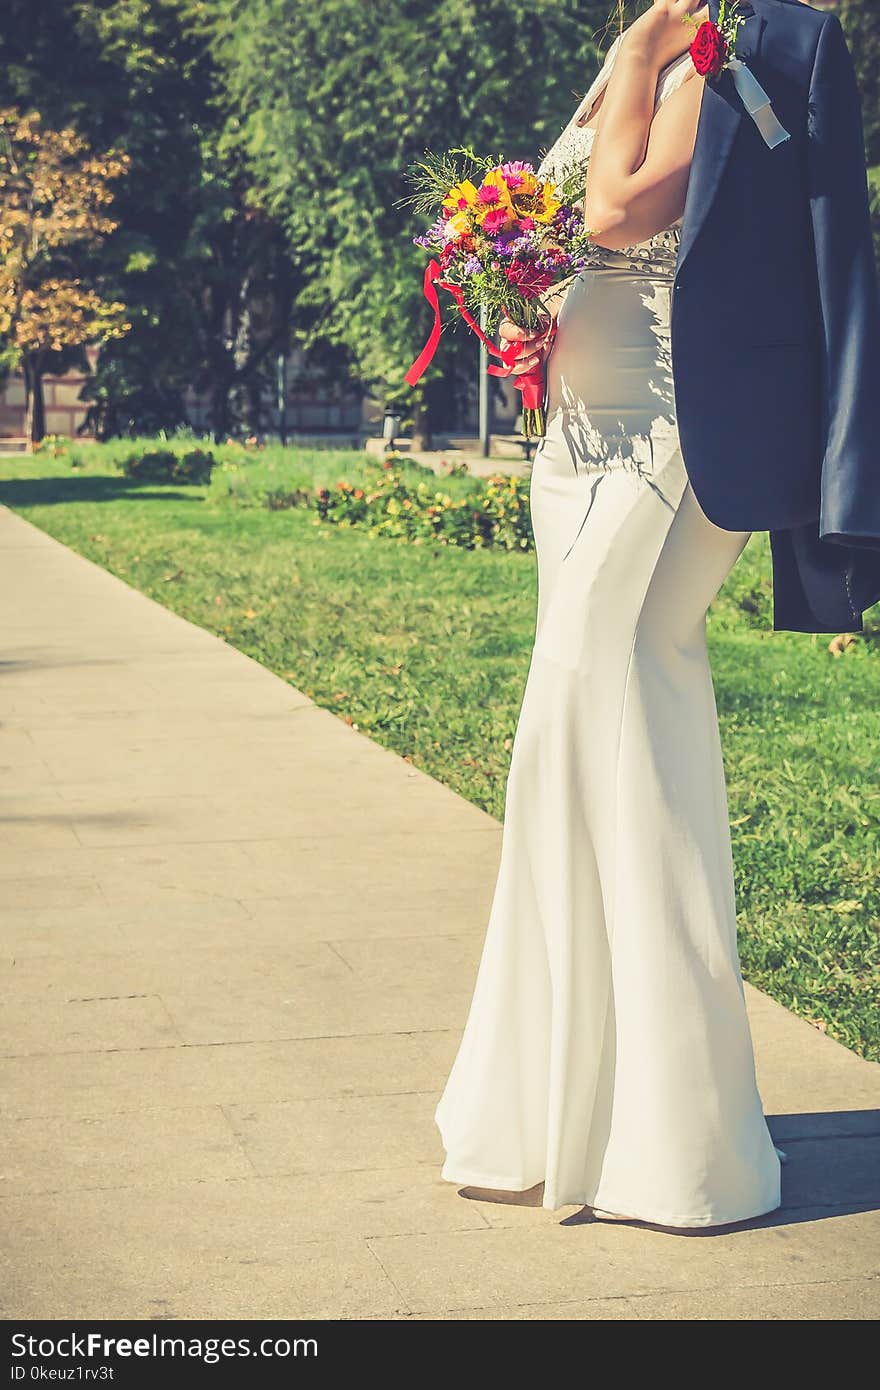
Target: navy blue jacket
[776,321]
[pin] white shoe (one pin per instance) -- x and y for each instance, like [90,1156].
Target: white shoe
[601,1215]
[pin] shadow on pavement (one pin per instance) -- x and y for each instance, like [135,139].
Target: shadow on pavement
[18,664]
[833,1169]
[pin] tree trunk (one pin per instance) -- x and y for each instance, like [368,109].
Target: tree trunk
[35,416]
[220,410]
[254,390]
[421,434]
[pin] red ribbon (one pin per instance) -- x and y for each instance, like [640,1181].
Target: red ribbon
[531,383]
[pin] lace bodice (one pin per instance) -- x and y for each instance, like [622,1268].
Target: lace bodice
[572,151]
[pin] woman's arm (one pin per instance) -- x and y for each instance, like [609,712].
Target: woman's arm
[640,162]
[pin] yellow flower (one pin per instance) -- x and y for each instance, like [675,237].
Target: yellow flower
[527,185]
[459,225]
[462,196]
[540,203]
[494,210]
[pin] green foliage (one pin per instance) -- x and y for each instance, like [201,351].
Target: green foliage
[204,272]
[861,23]
[280,499]
[192,468]
[874,196]
[268,142]
[336,101]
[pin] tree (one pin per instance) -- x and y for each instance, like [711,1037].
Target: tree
[337,99]
[861,23]
[209,269]
[54,199]
[206,275]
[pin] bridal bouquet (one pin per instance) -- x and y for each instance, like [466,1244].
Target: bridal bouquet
[502,238]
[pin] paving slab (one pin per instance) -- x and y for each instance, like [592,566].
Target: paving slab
[236,957]
[90,1084]
[454,1270]
[846,1300]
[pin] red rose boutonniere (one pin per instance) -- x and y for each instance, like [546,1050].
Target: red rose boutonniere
[713,45]
[713,51]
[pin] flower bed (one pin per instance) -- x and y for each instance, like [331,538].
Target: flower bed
[389,503]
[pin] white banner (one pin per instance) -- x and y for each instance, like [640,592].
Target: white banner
[757,103]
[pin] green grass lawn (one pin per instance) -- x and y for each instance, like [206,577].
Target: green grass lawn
[426,649]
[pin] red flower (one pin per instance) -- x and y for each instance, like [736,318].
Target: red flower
[528,279]
[709,50]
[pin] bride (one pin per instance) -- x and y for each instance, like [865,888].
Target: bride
[607,1053]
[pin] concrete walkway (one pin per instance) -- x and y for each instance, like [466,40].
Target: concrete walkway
[238,943]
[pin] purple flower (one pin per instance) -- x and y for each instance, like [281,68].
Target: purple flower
[472,265]
[433,237]
[568,223]
[511,244]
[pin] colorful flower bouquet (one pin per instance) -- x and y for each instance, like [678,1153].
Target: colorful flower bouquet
[502,238]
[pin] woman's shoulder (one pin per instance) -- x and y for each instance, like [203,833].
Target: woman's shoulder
[669,80]
[572,146]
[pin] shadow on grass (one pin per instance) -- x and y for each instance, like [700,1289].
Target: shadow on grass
[46,492]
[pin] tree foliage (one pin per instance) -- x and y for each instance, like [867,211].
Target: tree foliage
[55,195]
[267,142]
[205,273]
[861,23]
[337,99]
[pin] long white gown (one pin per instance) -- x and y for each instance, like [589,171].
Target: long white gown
[607,1051]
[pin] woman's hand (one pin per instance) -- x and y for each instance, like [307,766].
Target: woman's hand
[534,344]
[663,33]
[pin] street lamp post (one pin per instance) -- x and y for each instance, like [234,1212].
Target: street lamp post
[281,395]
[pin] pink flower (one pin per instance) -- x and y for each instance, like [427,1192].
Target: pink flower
[527,224]
[496,220]
[512,173]
[488,193]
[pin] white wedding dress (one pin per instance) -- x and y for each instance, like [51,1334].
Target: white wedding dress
[607,1051]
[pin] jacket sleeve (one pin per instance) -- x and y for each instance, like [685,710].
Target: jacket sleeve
[848,299]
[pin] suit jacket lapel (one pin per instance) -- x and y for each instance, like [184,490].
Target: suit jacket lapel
[721,112]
